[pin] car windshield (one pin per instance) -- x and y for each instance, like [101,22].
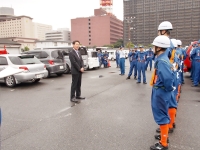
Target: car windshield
[83,51]
[66,52]
[57,54]
[94,54]
[24,60]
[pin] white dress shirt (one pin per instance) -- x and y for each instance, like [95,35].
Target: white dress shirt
[121,54]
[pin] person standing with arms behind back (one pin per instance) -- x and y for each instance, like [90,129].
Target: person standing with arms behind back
[162,87]
[76,71]
[122,61]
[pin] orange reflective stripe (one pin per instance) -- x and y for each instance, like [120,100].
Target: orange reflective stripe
[153,77]
[172,56]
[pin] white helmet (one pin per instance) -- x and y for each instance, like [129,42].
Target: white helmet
[165,25]
[178,42]
[161,41]
[174,42]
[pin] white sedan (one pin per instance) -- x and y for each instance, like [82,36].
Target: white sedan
[33,68]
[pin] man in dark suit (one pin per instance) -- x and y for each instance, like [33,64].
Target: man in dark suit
[76,71]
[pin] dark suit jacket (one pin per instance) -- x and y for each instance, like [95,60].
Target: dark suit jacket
[76,62]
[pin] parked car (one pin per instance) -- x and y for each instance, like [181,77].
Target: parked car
[93,60]
[52,58]
[187,62]
[33,69]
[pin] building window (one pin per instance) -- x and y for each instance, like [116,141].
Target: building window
[89,27]
[89,39]
[89,31]
[89,43]
[88,19]
[89,35]
[89,23]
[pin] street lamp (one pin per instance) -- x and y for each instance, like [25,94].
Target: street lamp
[129,20]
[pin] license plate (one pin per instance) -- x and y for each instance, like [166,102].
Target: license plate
[61,67]
[39,75]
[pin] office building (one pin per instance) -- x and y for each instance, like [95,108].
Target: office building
[40,30]
[62,34]
[142,17]
[98,30]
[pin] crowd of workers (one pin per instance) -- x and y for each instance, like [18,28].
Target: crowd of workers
[167,77]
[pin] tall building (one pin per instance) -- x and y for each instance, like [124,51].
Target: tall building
[16,26]
[20,26]
[142,17]
[62,34]
[98,30]
[40,30]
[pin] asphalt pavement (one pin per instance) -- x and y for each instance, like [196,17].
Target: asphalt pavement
[116,114]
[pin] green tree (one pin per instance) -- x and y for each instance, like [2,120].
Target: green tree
[129,45]
[25,49]
[118,44]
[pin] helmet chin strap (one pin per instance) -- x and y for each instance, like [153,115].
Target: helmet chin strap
[156,51]
[163,33]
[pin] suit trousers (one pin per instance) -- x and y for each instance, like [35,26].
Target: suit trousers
[76,85]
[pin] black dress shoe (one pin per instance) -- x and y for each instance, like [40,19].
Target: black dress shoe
[144,82]
[128,78]
[138,82]
[74,100]
[80,97]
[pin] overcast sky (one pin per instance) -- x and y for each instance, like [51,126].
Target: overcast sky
[58,12]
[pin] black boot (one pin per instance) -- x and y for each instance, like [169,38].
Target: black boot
[135,77]
[171,130]
[158,146]
[158,137]
[128,77]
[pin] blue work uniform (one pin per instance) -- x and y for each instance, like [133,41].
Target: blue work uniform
[122,62]
[162,89]
[129,57]
[99,55]
[133,64]
[196,58]
[141,59]
[117,58]
[179,53]
[105,62]
[150,55]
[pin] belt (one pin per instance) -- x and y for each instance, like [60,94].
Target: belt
[157,87]
[141,61]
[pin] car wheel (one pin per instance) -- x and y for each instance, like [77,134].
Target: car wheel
[48,75]
[36,80]
[59,74]
[10,81]
[67,69]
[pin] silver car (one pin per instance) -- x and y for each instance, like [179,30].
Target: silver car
[34,69]
[52,58]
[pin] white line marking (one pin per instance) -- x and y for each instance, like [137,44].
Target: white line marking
[65,109]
